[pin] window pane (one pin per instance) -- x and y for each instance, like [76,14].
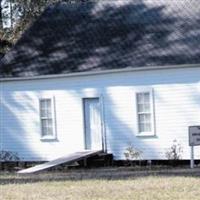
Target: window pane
[144,118]
[147,127]
[48,107]
[50,131]
[42,103]
[50,123]
[47,127]
[141,118]
[44,113]
[143,108]
[48,113]
[45,108]
[44,131]
[143,97]
[146,107]
[48,103]
[140,108]
[144,127]
[45,123]
[141,127]
[146,97]
[147,118]
[140,98]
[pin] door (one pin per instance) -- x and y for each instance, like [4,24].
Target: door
[92,120]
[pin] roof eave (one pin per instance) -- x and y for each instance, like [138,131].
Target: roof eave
[90,73]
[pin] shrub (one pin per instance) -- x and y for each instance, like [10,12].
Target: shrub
[174,152]
[132,154]
[6,156]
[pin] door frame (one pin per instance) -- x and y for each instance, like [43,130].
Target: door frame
[102,122]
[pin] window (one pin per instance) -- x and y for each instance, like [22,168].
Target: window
[145,117]
[47,118]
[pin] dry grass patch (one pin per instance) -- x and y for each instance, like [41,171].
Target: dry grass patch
[89,185]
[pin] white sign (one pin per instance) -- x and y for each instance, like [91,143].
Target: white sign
[194,135]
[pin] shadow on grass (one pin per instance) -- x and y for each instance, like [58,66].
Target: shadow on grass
[106,174]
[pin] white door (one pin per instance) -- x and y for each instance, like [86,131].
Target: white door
[92,119]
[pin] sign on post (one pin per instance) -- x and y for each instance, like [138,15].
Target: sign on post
[194,135]
[194,140]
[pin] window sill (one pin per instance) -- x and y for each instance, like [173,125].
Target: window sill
[146,134]
[48,139]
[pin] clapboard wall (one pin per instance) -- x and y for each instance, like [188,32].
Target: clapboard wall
[176,95]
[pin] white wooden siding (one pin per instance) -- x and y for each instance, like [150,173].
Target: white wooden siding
[176,104]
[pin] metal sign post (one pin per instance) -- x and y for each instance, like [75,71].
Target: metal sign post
[192,157]
[194,140]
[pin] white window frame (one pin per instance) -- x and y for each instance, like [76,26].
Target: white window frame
[151,93]
[53,117]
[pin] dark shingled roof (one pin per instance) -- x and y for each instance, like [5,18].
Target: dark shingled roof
[1,55]
[101,35]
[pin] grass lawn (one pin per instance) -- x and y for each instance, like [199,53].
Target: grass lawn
[103,184]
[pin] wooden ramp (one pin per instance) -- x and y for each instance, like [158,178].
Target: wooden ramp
[65,159]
